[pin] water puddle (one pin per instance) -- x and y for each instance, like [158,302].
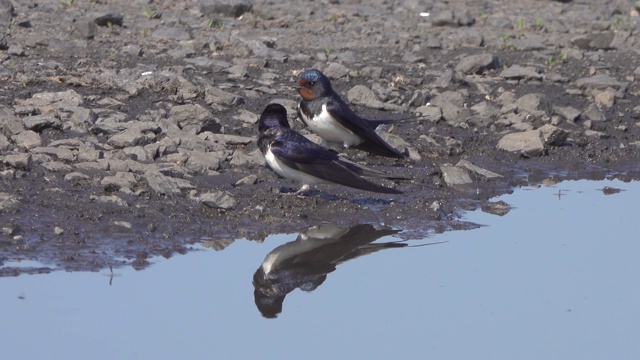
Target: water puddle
[554,277]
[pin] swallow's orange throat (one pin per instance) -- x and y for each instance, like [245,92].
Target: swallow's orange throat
[306,94]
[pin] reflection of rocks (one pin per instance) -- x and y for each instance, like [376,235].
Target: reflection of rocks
[499,208]
[218,244]
[305,262]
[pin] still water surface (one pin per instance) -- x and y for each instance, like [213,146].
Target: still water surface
[558,277]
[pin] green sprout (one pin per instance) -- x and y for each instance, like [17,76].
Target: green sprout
[520,24]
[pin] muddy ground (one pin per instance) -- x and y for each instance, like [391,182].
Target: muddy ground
[128,128]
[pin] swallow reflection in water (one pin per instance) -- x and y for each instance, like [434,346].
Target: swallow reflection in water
[305,262]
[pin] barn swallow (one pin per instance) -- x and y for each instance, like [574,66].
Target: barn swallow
[327,115]
[295,157]
[305,262]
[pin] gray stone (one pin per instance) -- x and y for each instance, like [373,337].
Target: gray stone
[5,144]
[243,158]
[217,96]
[477,64]
[16,50]
[109,199]
[453,175]
[76,177]
[231,8]
[194,115]
[431,113]
[18,161]
[121,181]
[39,123]
[476,169]
[56,166]
[130,137]
[606,98]
[171,33]
[536,104]
[570,113]
[362,95]
[61,154]
[218,200]
[527,143]
[8,201]
[593,113]
[335,71]
[201,163]
[27,139]
[161,184]
[226,139]
[554,135]
[9,123]
[85,29]
[596,134]
[247,180]
[517,72]
[601,82]
[444,18]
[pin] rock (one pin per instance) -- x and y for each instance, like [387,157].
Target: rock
[5,144]
[601,82]
[536,104]
[84,29]
[570,113]
[431,113]
[444,18]
[553,135]
[218,200]
[109,20]
[76,177]
[243,158]
[596,134]
[220,97]
[201,163]
[39,123]
[16,50]
[454,175]
[109,199]
[362,95]
[592,113]
[476,169]
[161,184]
[477,64]
[58,230]
[517,72]
[130,137]
[335,71]
[176,33]
[56,166]
[247,180]
[194,116]
[606,98]
[27,139]
[8,201]
[18,161]
[231,8]
[451,104]
[527,143]
[121,181]
[61,154]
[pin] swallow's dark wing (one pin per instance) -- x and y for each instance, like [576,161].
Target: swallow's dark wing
[299,153]
[373,143]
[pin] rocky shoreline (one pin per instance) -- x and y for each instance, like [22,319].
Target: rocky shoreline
[128,129]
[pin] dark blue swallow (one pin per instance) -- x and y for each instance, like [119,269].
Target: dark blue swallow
[327,115]
[295,157]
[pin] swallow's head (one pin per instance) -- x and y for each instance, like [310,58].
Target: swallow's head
[312,83]
[274,115]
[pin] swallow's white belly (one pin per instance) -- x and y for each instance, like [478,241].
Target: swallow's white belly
[325,126]
[283,170]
